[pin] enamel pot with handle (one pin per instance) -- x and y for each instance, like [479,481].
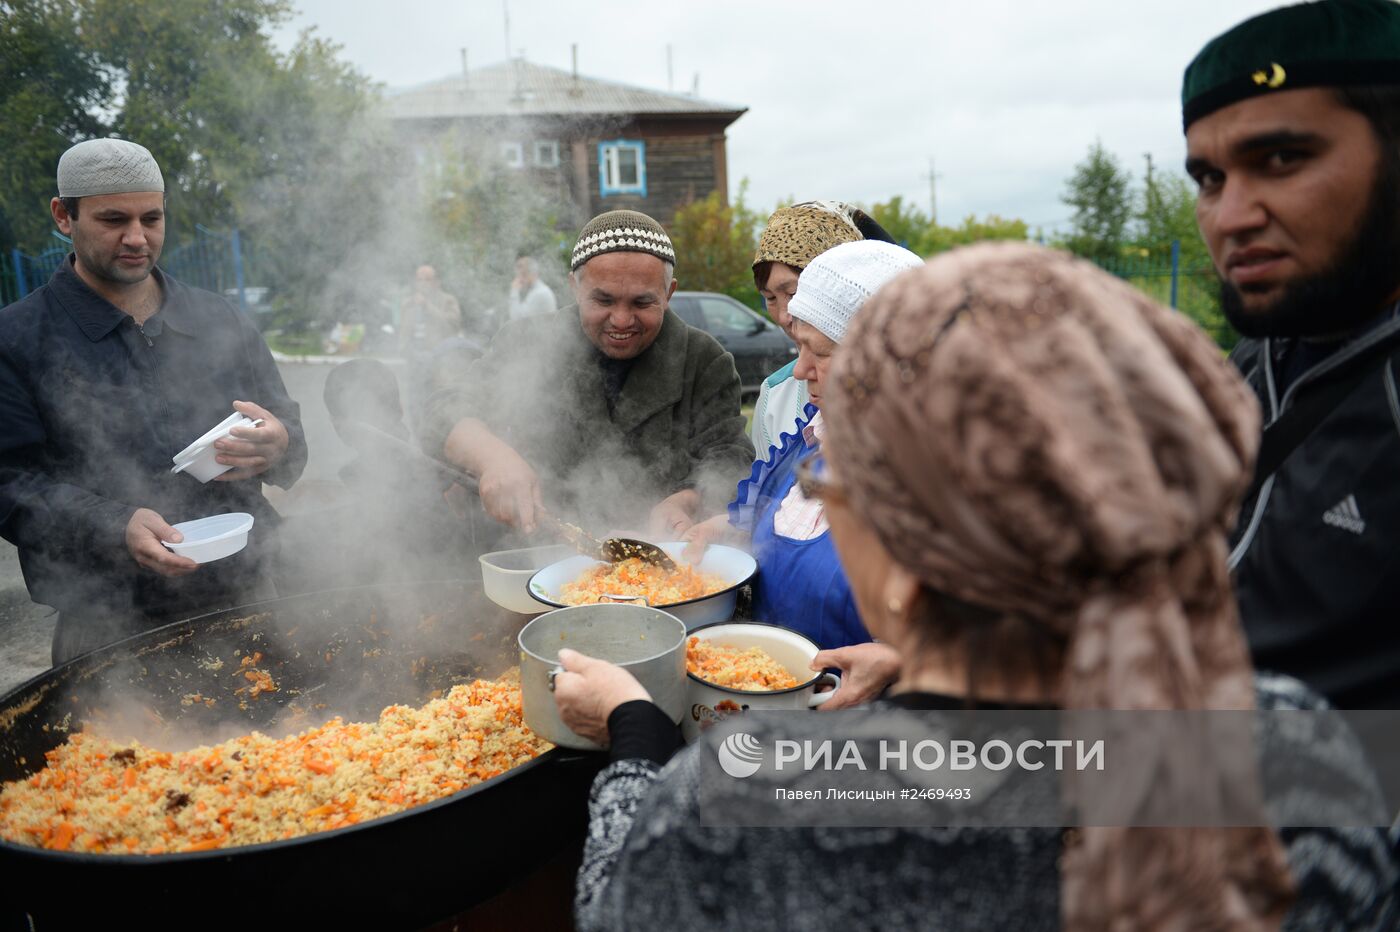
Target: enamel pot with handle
[709,702]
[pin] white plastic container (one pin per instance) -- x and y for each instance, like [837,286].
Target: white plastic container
[212,538]
[199,458]
[505,576]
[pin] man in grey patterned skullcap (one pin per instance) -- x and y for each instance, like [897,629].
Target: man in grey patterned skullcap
[108,166]
[118,242]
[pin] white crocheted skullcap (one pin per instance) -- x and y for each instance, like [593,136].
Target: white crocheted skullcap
[108,166]
[837,283]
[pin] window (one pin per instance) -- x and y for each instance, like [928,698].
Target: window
[622,167]
[547,154]
[513,154]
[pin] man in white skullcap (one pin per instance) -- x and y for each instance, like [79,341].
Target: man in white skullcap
[106,372]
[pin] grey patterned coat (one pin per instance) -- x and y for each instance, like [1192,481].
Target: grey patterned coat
[649,865]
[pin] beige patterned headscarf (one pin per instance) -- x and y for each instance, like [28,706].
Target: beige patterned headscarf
[1031,435]
[798,234]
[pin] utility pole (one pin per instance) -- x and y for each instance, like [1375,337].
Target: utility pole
[933,177]
[505,11]
[670,74]
[1151,201]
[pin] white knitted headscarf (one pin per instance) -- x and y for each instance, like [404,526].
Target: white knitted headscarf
[838,282]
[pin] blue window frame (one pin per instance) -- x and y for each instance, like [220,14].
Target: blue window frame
[622,167]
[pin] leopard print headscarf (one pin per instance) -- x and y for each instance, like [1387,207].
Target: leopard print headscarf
[798,234]
[1033,436]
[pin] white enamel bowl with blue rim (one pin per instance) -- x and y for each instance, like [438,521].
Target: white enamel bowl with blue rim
[728,563]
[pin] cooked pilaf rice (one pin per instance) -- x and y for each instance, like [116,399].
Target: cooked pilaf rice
[751,669]
[102,796]
[634,577]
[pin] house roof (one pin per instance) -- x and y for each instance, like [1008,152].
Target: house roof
[521,88]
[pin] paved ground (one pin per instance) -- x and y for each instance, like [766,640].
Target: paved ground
[26,629]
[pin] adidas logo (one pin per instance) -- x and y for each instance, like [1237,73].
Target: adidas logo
[1345,515]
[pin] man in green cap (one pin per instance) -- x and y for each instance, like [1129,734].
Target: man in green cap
[614,412]
[1292,126]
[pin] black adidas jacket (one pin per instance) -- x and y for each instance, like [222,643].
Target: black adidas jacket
[1316,556]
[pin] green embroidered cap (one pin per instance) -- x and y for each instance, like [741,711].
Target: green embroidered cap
[1331,43]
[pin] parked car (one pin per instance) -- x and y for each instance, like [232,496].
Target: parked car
[759,346]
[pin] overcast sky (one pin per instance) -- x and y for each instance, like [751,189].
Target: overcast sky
[849,100]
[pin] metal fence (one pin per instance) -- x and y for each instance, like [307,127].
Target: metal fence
[1191,287]
[211,260]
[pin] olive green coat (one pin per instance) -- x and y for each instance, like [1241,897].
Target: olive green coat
[676,423]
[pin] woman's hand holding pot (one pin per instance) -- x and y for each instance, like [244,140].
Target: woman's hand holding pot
[589,690]
[866,669]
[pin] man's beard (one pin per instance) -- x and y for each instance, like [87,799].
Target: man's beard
[1345,295]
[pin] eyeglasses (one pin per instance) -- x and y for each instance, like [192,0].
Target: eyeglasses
[814,479]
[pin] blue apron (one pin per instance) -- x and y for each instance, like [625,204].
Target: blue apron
[800,583]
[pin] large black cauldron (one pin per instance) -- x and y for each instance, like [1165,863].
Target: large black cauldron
[347,652]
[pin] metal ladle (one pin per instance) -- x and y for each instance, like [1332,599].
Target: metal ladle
[611,550]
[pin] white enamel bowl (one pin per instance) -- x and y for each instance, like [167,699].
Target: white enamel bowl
[730,564]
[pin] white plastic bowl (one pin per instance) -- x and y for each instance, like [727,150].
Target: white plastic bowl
[505,576]
[220,430]
[199,458]
[731,564]
[212,538]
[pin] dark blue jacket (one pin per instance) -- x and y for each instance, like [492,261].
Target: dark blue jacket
[92,408]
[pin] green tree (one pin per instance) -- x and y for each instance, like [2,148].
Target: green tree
[715,244]
[1167,215]
[911,228]
[1099,193]
[280,145]
[905,222]
[973,230]
[283,146]
[190,73]
[51,87]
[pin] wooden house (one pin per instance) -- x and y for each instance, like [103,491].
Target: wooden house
[601,145]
